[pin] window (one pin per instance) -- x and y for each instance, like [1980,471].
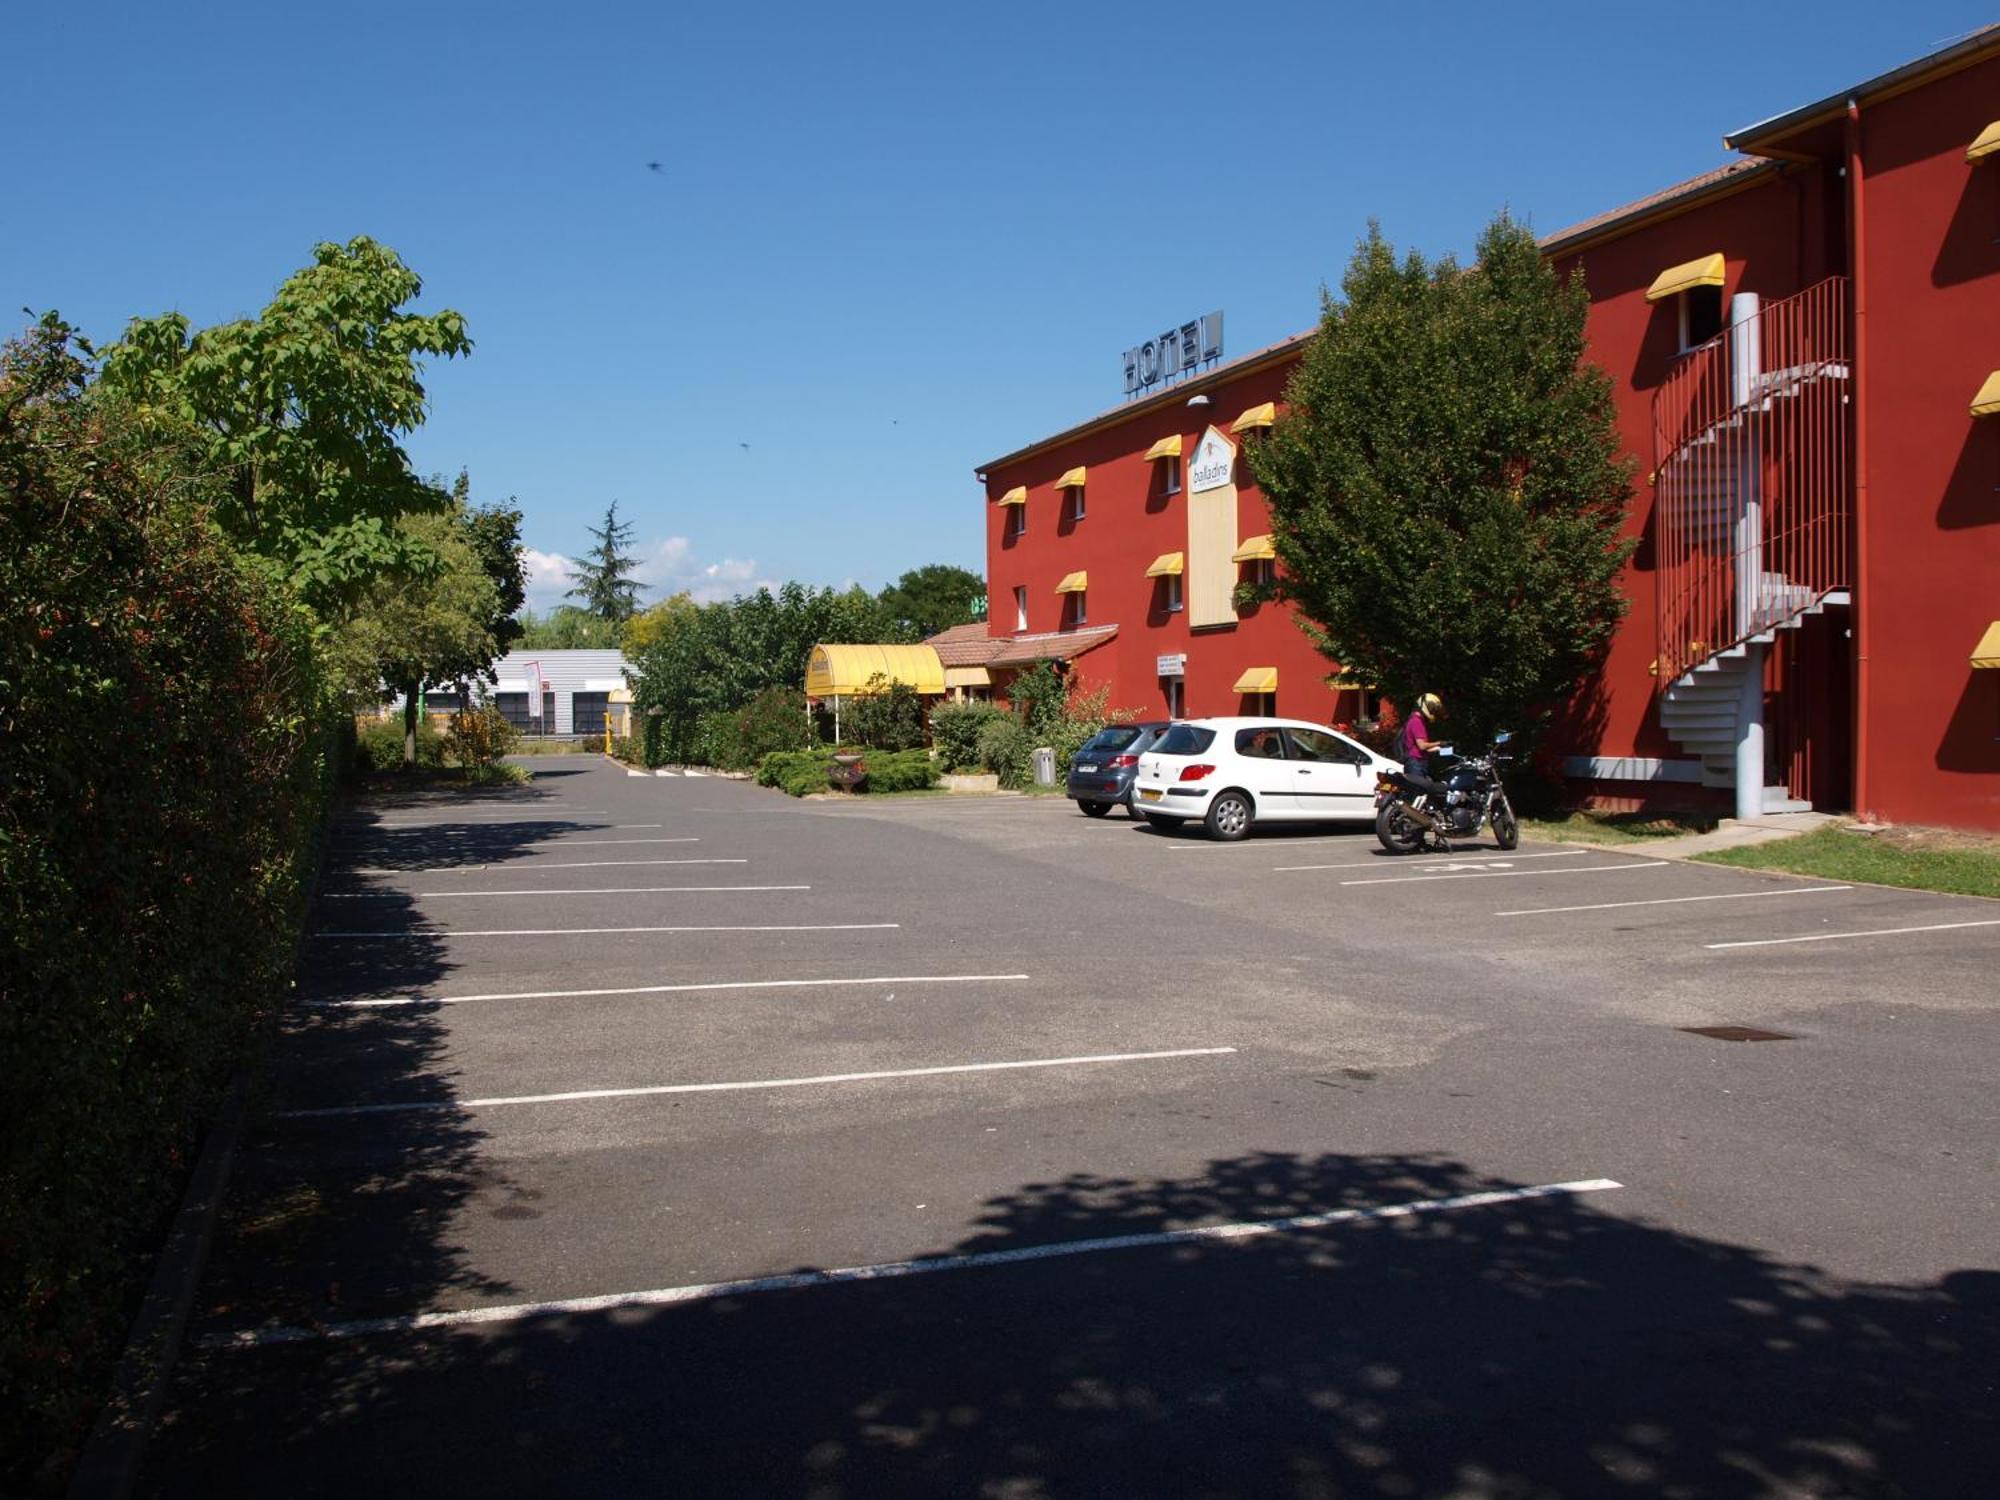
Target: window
[1111,741]
[1073,498]
[1170,476]
[1185,739]
[1260,705]
[1263,572]
[1176,694]
[587,712]
[1021,606]
[1260,744]
[1319,745]
[1017,521]
[1073,610]
[1700,315]
[1175,598]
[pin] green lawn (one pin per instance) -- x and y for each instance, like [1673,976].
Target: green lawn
[1920,859]
[1615,828]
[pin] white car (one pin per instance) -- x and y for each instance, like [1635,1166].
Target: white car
[1231,773]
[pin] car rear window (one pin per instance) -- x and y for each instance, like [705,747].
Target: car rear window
[1117,737]
[1185,739]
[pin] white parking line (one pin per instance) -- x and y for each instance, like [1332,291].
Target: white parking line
[574,864]
[663,771]
[460,932]
[604,890]
[794,1280]
[1828,937]
[1543,911]
[1651,864]
[752,1084]
[662,989]
[635,773]
[1377,861]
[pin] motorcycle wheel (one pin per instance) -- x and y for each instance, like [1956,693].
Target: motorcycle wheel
[1398,831]
[1506,831]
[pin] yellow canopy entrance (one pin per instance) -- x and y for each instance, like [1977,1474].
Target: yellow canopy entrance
[851,671]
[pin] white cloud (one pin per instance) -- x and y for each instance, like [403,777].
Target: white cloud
[665,567]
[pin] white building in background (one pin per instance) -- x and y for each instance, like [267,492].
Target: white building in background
[576,690]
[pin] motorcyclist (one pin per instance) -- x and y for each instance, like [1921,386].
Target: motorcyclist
[1416,744]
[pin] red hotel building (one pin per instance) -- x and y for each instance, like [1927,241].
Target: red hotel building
[1805,345]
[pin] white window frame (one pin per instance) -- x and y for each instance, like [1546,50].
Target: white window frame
[1017,521]
[1073,500]
[1020,606]
[1176,596]
[1170,482]
[1079,614]
[1683,312]
[1176,697]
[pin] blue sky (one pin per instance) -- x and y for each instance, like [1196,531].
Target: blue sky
[884,243]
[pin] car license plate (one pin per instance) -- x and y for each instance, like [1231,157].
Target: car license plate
[1086,768]
[1149,794]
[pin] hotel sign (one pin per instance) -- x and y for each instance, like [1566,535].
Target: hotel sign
[1177,352]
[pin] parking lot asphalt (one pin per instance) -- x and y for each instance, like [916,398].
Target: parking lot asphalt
[1413,1175]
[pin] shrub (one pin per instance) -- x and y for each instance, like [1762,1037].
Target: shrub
[1006,749]
[737,739]
[899,771]
[955,731]
[624,747]
[889,717]
[795,772]
[163,750]
[378,745]
[477,738]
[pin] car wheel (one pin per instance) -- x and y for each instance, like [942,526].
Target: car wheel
[1229,816]
[1093,809]
[1164,823]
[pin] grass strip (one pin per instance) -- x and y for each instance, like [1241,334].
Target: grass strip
[1834,854]
[1616,828]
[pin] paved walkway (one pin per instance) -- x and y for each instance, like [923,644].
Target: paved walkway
[1737,833]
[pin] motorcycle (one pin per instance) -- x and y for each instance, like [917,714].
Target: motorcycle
[1409,818]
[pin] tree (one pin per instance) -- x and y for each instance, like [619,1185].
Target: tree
[440,627]
[1446,489]
[565,628]
[602,579]
[304,408]
[675,612]
[494,534]
[932,598]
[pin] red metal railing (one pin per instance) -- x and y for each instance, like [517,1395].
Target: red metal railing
[1751,473]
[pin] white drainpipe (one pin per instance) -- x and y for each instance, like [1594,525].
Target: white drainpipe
[1745,364]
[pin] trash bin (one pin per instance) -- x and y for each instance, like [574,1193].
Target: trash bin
[1045,766]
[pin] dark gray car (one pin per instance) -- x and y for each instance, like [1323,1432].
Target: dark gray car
[1100,774]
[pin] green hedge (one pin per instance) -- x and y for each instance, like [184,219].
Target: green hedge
[378,745]
[955,731]
[163,766]
[802,772]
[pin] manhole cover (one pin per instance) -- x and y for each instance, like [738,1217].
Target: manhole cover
[1739,1033]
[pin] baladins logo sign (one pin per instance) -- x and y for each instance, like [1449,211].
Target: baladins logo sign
[1214,462]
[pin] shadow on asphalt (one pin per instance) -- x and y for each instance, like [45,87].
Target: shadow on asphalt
[1533,1349]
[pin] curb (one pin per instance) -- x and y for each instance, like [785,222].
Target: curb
[109,1466]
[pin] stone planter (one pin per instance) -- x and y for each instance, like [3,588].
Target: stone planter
[966,781]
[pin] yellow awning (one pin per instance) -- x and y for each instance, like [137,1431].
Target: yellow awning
[1016,496]
[1985,143]
[1255,549]
[620,695]
[1071,480]
[1987,652]
[852,671]
[963,677]
[1168,565]
[1987,402]
[1074,583]
[1708,271]
[1258,416]
[1257,680]
[1166,447]
[1346,682]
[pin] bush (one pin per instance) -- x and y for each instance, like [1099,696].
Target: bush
[955,731]
[624,747]
[477,738]
[795,772]
[774,720]
[378,745]
[163,756]
[898,771]
[889,717]
[1007,749]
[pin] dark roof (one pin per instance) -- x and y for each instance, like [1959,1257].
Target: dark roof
[1965,49]
[1177,393]
[1681,195]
